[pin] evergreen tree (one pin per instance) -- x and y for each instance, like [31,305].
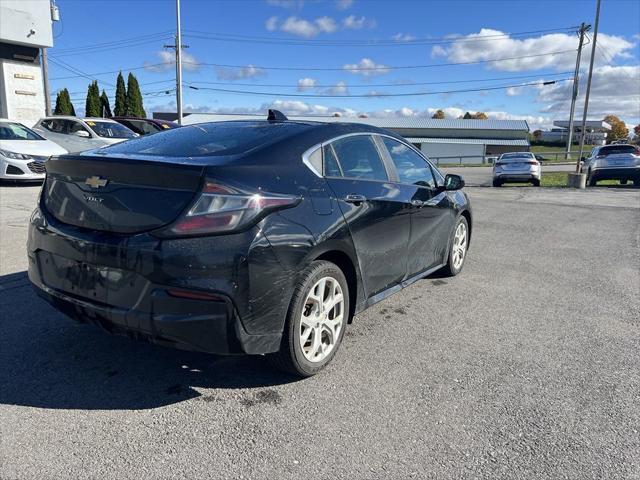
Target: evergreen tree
[105,108]
[63,104]
[92,105]
[134,98]
[119,107]
[467,116]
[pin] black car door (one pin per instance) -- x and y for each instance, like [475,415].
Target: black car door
[374,208]
[432,214]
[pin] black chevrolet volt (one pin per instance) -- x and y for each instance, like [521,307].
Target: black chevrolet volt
[244,237]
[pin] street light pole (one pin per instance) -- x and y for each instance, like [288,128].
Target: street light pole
[583,29]
[586,99]
[178,63]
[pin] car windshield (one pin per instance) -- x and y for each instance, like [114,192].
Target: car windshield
[16,131]
[613,149]
[110,129]
[219,138]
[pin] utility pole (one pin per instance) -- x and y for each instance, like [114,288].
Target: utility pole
[178,46]
[586,99]
[45,80]
[583,29]
[179,63]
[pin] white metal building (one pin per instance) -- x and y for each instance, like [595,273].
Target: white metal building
[25,27]
[596,132]
[445,141]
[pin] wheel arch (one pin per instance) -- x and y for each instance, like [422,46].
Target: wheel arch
[344,262]
[467,215]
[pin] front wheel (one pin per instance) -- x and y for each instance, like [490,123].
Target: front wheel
[497,183]
[536,182]
[458,248]
[316,321]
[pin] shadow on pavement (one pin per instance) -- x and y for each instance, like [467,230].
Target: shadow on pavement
[49,361]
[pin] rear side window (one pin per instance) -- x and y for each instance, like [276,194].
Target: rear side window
[208,139]
[411,167]
[331,166]
[359,158]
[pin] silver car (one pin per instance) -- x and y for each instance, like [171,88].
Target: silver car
[517,167]
[613,162]
[80,134]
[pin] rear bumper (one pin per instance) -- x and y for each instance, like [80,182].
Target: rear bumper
[516,177]
[619,173]
[121,285]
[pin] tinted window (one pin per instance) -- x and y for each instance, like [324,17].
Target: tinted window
[216,138]
[141,127]
[613,149]
[505,156]
[74,127]
[110,129]
[359,158]
[16,131]
[411,167]
[331,167]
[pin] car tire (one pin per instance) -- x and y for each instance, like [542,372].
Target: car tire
[536,182]
[454,263]
[497,183]
[623,181]
[310,340]
[591,181]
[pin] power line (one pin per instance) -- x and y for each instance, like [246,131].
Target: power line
[370,85]
[412,94]
[383,68]
[227,37]
[112,89]
[124,42]
[73,69]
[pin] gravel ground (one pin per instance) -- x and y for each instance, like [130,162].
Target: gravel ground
[524,366]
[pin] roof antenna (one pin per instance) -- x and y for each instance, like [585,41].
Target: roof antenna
[276,116]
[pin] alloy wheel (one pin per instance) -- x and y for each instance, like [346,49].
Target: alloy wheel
[459,245]
[322,319]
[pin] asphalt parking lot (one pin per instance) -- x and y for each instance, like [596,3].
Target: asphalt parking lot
[524,366]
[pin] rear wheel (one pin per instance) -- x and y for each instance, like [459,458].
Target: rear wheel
[316,321]
[458,248]
[623,181]
[591,181]
[497,183]
[536,182]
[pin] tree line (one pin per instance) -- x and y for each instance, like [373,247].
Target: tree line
[128,100]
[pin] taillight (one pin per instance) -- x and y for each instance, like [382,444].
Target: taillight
[222,209]
[533,162]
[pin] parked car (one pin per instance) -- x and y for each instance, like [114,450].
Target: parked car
[80,134]
[517,167]
[23,152]
[145,126]
[613,162]
[254,237]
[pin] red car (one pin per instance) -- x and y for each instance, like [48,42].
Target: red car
[145,126]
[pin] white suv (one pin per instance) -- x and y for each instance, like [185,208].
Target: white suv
[79,134]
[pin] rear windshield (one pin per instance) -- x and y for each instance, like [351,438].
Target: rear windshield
[517,155]
[207,139]
[110,129]
[613,149]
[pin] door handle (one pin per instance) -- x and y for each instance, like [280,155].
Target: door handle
[417,203]
[355,199]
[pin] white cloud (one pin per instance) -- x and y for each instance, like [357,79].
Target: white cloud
[305,84]
[168,62]
[339,88]
[465,49]
[271,24]
[354,23]
[310,28]
[614,90]
[403,37]
[301,27]
[250,71]
[343,4]
[513,91]
[366,67]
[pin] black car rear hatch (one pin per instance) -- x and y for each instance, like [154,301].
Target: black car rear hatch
[119,195]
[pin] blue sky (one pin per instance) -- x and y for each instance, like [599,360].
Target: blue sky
[355,47]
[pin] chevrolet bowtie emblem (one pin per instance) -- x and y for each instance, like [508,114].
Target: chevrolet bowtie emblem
[96,182]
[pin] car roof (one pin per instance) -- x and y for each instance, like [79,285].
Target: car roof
[71,117]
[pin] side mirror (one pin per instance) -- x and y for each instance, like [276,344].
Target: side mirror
[82,133]
[453,182]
